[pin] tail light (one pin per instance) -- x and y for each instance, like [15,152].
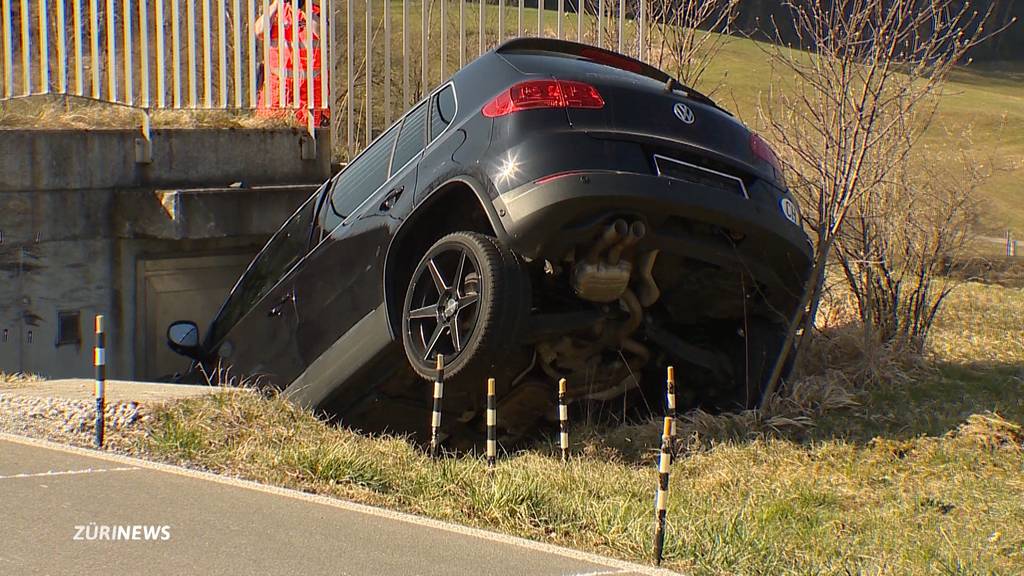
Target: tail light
[764,152]
[544,94]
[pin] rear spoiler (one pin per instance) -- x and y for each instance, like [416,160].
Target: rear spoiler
[601,56]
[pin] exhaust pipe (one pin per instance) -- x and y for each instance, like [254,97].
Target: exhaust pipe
[636,233]
[612,234]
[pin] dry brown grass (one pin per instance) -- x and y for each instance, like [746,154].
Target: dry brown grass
[18,378]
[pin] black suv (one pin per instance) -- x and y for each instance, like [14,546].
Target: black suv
[555,210]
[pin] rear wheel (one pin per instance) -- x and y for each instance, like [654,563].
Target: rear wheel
[465,302]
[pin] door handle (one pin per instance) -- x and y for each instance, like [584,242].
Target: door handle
[278,309]
[392,198]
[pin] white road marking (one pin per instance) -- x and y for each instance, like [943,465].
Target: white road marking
[622,566]
[65,472]
[605,573]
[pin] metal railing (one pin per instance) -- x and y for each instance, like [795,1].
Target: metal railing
[206,54]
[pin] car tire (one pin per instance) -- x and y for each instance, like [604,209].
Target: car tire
[492,274]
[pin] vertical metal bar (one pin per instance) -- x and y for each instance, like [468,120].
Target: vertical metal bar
[519,19]
[79,69]
[462,33]
[111,53]
[405,53]
[540,18]
[267,65]
[296,64]
[444,36]
[176,51]
[100,363]
[5,6]
[94,47]
[368,137]
[129,80]
[62,48]
[600,23]
[222,52]
[326,64]
[44,48]
[387,62]
[310,52]
[144,48]
[236,38]
[670,398]
[622,22]
[26,50]
[281,41]
[581,9]
[482,31]
[207,57]
[190,21]
[492,425]
[351,90]
[424,33]
[561,16]
[501,21]
[161,57]
[251,54]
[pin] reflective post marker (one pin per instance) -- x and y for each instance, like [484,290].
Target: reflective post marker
[670,404]
[100,361]
[492,424]
[661,500]
[435,422]
[563,421]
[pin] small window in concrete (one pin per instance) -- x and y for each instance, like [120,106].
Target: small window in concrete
[69,328]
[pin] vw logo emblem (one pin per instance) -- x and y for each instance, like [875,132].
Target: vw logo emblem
[683,112]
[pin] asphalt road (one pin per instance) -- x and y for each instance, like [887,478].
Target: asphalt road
[55,501]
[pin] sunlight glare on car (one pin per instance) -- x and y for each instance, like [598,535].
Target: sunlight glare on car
[509,168]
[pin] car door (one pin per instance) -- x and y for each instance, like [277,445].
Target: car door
[255,333]
[339,290]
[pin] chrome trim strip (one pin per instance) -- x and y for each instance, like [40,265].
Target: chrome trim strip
[657,157]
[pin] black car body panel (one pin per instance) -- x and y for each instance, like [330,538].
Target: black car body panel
[712,232]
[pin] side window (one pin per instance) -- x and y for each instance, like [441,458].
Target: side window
[442,110]
[412,138]
[358,181]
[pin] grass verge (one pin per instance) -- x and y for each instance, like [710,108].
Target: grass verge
[923,476]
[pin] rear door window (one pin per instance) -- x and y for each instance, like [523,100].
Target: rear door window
[358,182]
[412,139]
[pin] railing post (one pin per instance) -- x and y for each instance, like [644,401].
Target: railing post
[100,363]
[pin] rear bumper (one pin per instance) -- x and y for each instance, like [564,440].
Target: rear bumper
[727,230]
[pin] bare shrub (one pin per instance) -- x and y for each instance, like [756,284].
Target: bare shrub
[849,102]
[689,34]
[902,241]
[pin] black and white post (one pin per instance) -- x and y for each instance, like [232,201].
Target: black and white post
[435,421]
[661,500]
[100,362]
[563,421]
[492,425]
[670,399]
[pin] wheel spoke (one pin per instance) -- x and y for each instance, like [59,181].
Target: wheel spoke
[434,338]
[458,273]
[429,311]
[435,274]
[467,301]
[456,338]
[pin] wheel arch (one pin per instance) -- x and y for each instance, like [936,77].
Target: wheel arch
[459,203]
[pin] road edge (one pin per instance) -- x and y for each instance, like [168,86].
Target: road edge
[345,505]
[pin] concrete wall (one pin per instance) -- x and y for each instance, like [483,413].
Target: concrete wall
[85,230]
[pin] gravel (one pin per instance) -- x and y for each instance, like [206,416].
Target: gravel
[61,420]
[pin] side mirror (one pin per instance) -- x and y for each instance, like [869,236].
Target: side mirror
[183,338]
